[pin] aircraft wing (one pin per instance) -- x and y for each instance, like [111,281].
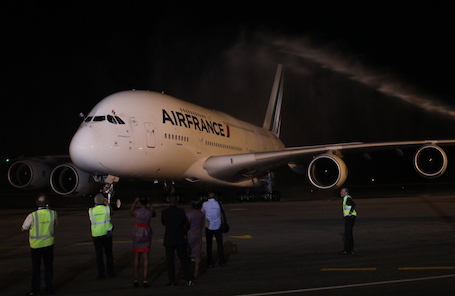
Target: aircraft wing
[326,168]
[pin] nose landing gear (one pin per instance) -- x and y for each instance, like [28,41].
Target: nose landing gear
[108,190]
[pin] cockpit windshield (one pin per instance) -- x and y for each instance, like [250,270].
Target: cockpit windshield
[111,118]
[99,118]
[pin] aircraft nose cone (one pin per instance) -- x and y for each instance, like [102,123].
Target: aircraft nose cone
[84,148]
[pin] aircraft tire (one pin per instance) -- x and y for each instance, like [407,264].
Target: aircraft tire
[116,204]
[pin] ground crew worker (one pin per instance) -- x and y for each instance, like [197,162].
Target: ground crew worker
[101,226]
[41,225]
[349,214]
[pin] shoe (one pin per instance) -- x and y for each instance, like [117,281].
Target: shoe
[190,283]
[135,284]
[171,284]
[145,284]
[346,253]
[193,278]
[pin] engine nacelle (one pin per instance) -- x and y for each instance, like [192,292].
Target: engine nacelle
[29,174]
[327,171]
[67,179]
[430,161]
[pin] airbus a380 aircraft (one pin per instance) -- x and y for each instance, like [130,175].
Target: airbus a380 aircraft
[152,136]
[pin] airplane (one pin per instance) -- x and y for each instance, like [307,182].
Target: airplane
[152,136]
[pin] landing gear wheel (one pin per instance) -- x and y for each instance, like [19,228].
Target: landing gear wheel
[116,204]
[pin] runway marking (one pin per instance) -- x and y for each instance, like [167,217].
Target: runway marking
[427,268]
[14,247]
[399,268]
[246,236]
[351,286]
[241,236]
[114,242]
[350,269]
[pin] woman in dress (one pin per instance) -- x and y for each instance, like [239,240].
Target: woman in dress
[142,236]
[194,235]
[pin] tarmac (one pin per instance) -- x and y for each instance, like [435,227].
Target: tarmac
[402,245]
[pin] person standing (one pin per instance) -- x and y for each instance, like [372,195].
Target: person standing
[212,210]
[101,227]
[41,226]
[142,237]
[349,214]
[197,222]
[176,225]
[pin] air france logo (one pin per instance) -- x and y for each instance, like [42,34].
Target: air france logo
[200,124]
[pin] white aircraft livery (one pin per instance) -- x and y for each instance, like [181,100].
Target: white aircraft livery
[152,136]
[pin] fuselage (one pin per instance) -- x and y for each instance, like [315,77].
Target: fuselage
[153,136]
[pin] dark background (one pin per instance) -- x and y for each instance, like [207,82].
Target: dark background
[375,71]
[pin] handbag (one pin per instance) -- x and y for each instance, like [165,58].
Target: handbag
[224,224]
[224,227]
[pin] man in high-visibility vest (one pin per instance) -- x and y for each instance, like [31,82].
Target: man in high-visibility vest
[41,225]
[101,226]
[349,214]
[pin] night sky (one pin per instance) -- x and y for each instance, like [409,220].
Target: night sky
[370,72]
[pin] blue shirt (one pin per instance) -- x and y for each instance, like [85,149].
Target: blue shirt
[212,211]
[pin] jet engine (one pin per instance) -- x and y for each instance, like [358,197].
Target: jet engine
[430,161]
[29,174]
[67,179]
[327,171]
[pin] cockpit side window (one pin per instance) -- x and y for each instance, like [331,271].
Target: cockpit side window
[99,118]
[119,120]
[88,119]
[111,119]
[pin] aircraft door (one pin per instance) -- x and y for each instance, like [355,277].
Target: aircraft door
[150,134]
[200,140]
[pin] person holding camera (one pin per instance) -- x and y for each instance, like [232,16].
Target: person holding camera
[101,226]
[41,225]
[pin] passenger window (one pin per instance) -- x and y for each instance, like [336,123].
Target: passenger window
[119,120]
[88,119]
[99,118]
[111,119]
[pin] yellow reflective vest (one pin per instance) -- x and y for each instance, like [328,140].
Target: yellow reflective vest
[347,208]
[100,218]
[41,233]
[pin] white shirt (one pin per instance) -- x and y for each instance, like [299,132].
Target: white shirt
[212,211]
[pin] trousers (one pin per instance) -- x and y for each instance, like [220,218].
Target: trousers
[103,246]
[47,255]
[349,222]
[219,241]
[184,262]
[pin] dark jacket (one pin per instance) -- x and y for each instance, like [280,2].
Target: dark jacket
[176,224]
